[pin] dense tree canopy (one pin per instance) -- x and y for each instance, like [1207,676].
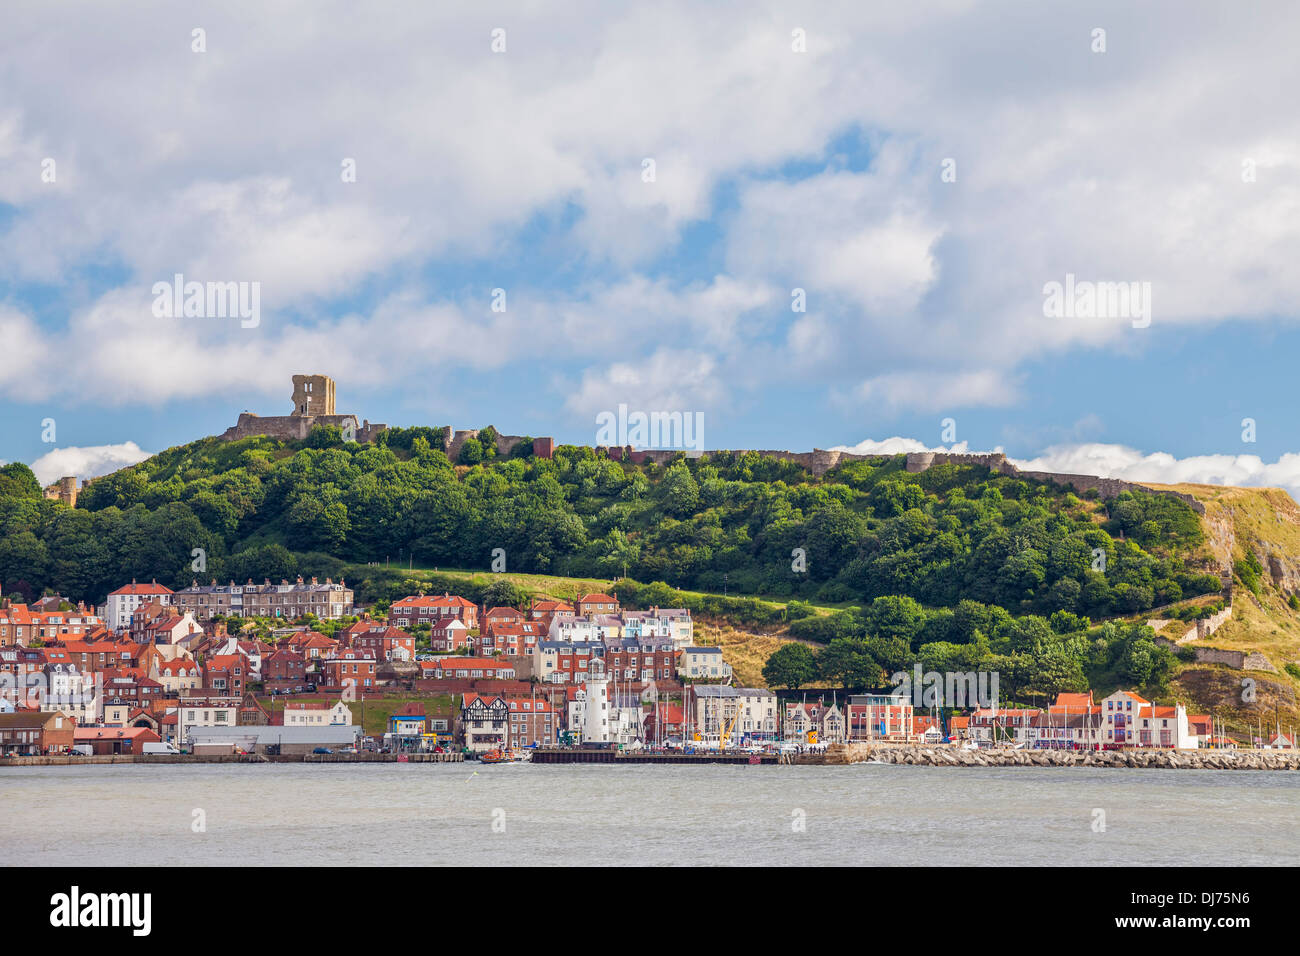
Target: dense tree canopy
[953,537]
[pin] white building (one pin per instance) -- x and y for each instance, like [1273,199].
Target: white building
[121,604]
[673,623]
[205,712]
[703,663]
[742,712]
[71,691]
[314,715]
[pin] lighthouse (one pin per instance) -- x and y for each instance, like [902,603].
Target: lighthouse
[597,726]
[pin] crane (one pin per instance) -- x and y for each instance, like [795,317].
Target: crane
[725,735]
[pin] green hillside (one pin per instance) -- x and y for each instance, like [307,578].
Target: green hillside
[744,524]
[956,567]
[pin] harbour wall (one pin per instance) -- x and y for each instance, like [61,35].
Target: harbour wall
[1138,759]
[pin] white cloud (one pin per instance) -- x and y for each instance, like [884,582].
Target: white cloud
[88,462]
[1120,461]
[937,391]
[668,380]
[922,294]
[899,446]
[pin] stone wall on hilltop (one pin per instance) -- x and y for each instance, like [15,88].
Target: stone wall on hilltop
[1106,487]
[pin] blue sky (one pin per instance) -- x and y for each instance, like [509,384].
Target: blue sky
[791,150]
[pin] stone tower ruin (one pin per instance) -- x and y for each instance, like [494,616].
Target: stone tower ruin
[313,395]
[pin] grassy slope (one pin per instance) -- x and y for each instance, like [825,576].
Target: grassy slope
[1267,521]
[570,588]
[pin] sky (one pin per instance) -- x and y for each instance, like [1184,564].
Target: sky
[656,190]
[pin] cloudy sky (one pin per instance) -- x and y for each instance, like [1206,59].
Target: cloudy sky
[920,171]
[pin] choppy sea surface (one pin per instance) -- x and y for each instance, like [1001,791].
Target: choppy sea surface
[434,814]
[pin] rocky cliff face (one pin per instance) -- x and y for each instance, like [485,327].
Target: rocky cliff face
[1265,521]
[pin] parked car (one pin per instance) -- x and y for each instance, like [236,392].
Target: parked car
[322,750]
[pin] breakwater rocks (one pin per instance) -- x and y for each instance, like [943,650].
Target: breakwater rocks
[1143,759]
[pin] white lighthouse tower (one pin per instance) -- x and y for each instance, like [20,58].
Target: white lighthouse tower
[597,719]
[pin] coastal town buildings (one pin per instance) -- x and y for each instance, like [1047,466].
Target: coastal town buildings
[428,609]
[27,732]
[304,714]
[328,601]
[743,712]
[879,717]
[815,721]
[123,602]
[484,722]
[703,663]
[533,721]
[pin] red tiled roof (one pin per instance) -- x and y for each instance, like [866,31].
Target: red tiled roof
[431,600]
[152,588]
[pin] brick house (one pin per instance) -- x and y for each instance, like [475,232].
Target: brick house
[16,624]
[879,716]
[515,639]
[427,609]
[284,671]
[115,740]
[386,644]
[592,604]
[640,660]
[544,612]
[448,636]
[532,721]
[92,656]
[348,668]
[664,720]
[472,668]
[31,732]
[225,674]
[313,645]
[502,615]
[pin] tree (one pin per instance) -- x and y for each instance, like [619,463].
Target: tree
[849,661]
[23,556]
[680,493]
[503,593]
[471,452]
[18,481]
[790,665]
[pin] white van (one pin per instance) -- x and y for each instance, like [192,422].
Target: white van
[159,748]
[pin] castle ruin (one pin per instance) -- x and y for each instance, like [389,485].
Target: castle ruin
[65,490]
[313,404]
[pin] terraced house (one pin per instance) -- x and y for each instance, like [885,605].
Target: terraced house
[328,601]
